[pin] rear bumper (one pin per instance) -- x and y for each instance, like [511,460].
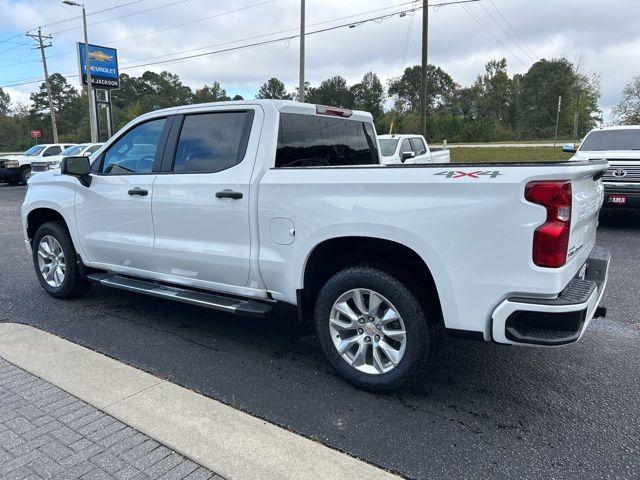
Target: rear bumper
[630,190]
[554,321]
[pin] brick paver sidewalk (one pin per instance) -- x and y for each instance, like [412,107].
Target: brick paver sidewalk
[47,433]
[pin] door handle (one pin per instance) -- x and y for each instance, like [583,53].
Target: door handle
[139,191]
[229,194]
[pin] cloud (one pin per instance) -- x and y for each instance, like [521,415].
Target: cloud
[606,35]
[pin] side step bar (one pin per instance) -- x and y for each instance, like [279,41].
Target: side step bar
[186,295]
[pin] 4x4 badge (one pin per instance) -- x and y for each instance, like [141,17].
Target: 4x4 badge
[476,174]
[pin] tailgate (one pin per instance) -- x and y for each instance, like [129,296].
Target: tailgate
[588,196]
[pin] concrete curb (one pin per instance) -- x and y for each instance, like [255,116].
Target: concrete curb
[220,438]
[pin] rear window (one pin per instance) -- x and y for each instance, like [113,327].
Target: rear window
[601,140]
[211,142]
[318,141]
[387,146]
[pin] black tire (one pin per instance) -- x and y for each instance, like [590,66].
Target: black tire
[24,175]
[74,283]
[421,317]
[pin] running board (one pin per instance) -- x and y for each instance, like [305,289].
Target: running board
[185,295]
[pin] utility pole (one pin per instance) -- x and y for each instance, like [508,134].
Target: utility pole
[425,51]
[302,21]
[555,138]
[576,117]
[42,46]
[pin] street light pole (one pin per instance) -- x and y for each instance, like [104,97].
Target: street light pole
[93,119]
[302,21]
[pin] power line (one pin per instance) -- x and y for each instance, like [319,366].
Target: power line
[510,25]
[242,47]
[485,28]
[266,42]
[124,16]
[69,19]
[324,22]
[507,33]
[8,39]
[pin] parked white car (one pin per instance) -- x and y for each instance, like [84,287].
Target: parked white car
[16,169]
[620,146]
[82,149]
[243,206]
[410,149]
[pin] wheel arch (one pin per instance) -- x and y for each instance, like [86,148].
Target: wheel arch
[39,216]
[334,254]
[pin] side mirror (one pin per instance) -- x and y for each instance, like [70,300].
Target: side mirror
[569,148]
[404,156]
[78,167]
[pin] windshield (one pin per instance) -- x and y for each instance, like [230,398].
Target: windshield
[388,146]
[33,151]
[73,150]
[601,140]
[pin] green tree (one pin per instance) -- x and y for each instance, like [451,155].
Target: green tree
[627,112]
[333,92]
[368,95]
[441,89]
[541,86]
[5,103]
[211,93]
[274,89]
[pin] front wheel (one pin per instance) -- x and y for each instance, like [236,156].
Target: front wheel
[54,259]
[25,175]
[374,329]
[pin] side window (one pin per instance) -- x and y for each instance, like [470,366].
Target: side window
[319,141]
[92,149]
[211,142]
[405,146]
[52,151]
[134,152]
[418,146]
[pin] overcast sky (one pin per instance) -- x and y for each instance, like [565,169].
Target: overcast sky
[604,33]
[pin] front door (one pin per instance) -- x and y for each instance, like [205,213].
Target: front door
[201,204]
[113,214]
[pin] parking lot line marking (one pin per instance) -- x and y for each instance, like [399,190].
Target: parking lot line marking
[219,437]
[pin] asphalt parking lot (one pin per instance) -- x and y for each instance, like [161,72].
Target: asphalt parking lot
[486,412]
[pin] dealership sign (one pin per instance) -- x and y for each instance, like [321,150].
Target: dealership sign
[103,62]
[36,133]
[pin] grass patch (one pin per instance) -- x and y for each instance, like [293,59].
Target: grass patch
[508,154]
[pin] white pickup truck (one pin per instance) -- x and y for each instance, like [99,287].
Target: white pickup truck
[620,146]
[16,169]
[243,206]
[410,149]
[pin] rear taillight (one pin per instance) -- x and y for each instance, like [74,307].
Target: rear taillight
[551,239]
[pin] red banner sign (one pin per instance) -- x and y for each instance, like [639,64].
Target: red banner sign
[36,133]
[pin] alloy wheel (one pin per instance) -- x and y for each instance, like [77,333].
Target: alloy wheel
[367,331]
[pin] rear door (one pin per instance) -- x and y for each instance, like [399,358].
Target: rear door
[113,214]
[201,200]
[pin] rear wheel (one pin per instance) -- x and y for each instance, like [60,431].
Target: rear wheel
[54,259]
[374,329]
